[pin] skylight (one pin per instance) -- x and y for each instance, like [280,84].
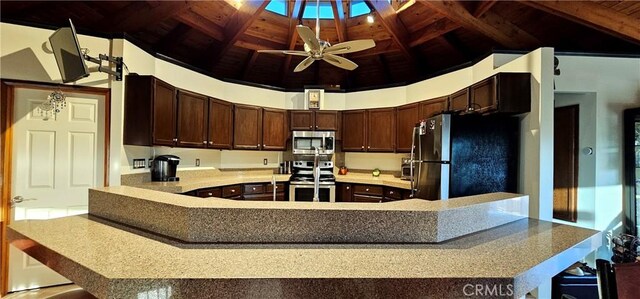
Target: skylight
[358,8]
[326,12]
[277,6]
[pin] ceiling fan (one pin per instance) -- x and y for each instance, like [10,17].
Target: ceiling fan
[317,49]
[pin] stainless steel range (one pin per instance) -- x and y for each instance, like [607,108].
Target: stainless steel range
[301,183]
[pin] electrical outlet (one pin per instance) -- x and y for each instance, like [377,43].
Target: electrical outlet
[149,162]
[197,162]
[138,163]
[265,161]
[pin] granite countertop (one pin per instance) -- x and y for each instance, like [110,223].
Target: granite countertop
[117,262]
[194,183]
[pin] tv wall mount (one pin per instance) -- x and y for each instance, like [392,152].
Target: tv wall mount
[101,57]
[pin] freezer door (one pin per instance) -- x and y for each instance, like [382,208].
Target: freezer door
[432,181]
[435,141]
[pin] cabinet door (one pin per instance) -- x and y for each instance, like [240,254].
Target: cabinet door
[164,114]
[459,101]
[344,192]
[302,120]
[483,96]
[381,130]
[247,127]
[406,118]
[432,107]
[274,129]
[209,192]
[192,119]
[353,130]
[220,124]
[326,120]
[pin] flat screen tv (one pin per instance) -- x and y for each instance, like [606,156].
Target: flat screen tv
[66,49]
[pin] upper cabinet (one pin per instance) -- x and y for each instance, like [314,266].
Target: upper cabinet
[354,130]
[406,118]
[505,93]
[220,130]
[258,128]
[433,107]
[459,101]
[247,127]
[149,112]
[192,119]
[321,120]
[381,130]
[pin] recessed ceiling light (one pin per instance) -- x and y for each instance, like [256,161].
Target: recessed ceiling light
[370,19]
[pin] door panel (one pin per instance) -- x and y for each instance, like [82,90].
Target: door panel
[192,118]
[565,166]
[381,128]
[302,120]
[247,127]
[406,118]
[326,120]
[353,130]
[164,114]
[56,158]
[274,135]
[220,124]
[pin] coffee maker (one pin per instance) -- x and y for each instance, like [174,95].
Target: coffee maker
[163,168]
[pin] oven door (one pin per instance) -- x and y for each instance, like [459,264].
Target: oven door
[326,193]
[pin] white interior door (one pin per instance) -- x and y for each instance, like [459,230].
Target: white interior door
[55,161]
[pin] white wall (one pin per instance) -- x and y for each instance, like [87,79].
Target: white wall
[616,85]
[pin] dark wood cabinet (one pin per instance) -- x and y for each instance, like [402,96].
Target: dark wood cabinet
[381,130]
[354,130]
[149,112]
[367,193]
[321,120]
[344,192]
[433,107]
[247,127]
[459,101]
[192,119]
[406,118]
[505,93]
[220,131]
[254,191]
[209,192]
[274,129]
[391,194]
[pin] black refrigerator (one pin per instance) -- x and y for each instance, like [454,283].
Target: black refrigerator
[462,155]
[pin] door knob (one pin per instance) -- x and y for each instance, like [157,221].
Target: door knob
[19,199]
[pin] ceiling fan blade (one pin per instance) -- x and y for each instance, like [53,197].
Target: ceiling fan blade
[340,62]
[289,52]
[308,37]
[351,46]
[304,64]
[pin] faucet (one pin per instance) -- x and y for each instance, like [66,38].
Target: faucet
[316,175]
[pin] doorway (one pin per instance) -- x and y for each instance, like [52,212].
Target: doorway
[565,165]
[49,160]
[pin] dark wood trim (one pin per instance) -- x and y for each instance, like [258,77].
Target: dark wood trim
[630,208]
[6,112]
[568,210]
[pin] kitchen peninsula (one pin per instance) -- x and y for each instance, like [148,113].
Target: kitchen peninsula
[112,256]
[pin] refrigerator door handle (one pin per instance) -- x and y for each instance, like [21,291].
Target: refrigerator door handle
[412,162]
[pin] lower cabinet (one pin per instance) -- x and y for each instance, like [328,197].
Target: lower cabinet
[257,191]
[347,192]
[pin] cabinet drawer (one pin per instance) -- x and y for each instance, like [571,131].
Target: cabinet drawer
[366,198]
[231,191]
[260,197]
[368,190]
[279,188]
[253,189]
[393,193]
[212,192]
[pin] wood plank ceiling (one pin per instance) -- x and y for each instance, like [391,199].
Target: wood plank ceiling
[413,40]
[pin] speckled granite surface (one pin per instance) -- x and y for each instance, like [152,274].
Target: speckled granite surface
[367,178]
[193,219]
[111,262]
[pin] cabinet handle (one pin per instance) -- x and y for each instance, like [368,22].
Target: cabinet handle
[348,187]
[310,127]
[362,147]
[210,142]
[253,189]
[366,189]
[316,127]
[258,144]
[204,142]
[210,194]
[233,190]
[369,146]
[390,192]
[175,139]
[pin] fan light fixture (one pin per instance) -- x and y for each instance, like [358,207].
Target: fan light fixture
[317,49]
[370,19]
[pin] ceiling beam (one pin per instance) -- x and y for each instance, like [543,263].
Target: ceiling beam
[392,23]
[483,6]
[257,43]
[593,15]
[248,66]
[296,9]
[432,31]
[238,23]
[139,15]
[201,24]
[175,37]
[339,19]
[382,47]
[491,25]
[384,65]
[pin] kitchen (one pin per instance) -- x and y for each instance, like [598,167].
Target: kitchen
[391,98]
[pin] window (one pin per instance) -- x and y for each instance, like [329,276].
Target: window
[326,12]
[358,8]
[277,6]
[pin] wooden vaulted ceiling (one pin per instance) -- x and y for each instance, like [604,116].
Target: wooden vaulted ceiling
[425,38]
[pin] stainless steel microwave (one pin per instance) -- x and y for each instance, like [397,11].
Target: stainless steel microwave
[305,142]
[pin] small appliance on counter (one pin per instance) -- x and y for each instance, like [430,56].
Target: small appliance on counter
[163,168]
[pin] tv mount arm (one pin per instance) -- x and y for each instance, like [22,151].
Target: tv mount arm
[101,57]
